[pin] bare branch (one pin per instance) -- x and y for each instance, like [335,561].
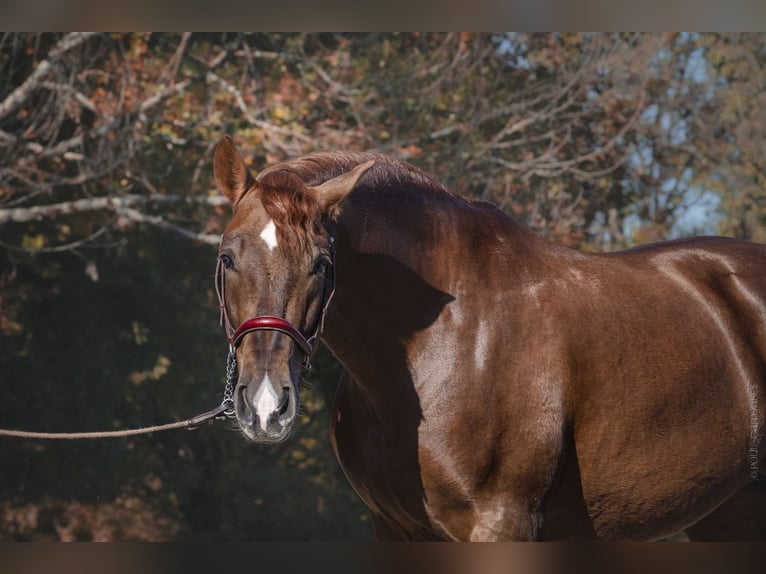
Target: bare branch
[65,247]
[162,95]
[175,61]
[64,147]
[17,96]
[265,126]
[264,55]
[559,167]
[22,214]
[79,96]
[156,220]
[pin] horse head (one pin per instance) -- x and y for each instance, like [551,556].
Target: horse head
[275,278]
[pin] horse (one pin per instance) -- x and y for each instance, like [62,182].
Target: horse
[496,385]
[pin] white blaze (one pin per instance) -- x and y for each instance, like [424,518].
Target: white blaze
[265,402]
[269,235]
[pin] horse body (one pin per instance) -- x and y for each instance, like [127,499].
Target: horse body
[497,386]
[643,363]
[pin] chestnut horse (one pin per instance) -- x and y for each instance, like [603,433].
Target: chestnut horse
[497,386]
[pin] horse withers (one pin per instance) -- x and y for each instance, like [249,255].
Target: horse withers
[497,386]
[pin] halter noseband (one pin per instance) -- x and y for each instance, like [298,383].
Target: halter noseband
[269,323]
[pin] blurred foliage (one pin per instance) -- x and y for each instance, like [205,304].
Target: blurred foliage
[109,220]
[139,347]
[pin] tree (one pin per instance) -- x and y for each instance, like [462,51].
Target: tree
[109,218]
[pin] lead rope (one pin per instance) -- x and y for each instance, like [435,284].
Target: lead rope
[96,434]
[224,410]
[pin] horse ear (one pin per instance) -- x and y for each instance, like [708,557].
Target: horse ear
[232,177]
[333,191]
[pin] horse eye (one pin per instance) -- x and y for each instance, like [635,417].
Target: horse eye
[227,261]
[320,267]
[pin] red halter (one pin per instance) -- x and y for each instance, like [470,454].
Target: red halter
[268,323]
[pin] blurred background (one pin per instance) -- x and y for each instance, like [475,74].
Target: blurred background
[109,223]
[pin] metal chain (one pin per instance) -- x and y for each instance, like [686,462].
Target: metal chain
[231,374]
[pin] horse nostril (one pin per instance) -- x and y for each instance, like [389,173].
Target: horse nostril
[243,409]
[284,402]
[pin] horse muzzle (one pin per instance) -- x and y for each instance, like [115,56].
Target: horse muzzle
[266,411]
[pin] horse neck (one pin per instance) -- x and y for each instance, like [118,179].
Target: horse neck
[442,238]
[400,262]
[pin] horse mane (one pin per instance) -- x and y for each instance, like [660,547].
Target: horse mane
[316,168]
[296,214]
